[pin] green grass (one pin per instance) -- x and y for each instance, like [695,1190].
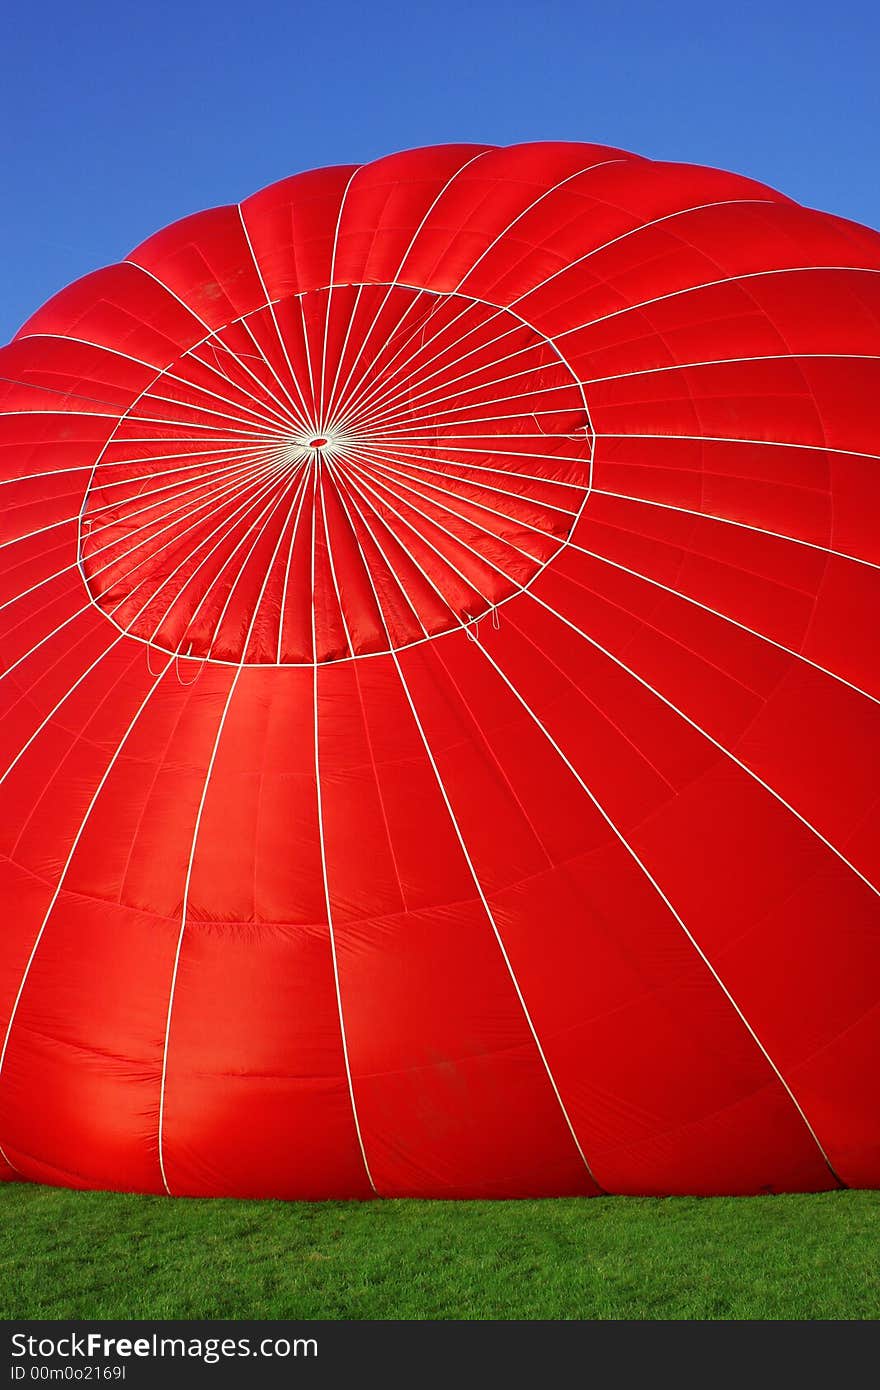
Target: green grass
[105,1255]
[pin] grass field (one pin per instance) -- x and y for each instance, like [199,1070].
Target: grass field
[102,1255]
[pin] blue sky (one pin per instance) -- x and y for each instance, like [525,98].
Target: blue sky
[117,119]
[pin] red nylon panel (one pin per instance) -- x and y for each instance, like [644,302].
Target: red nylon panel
[204,261]
[440,692]
[120,309]
[455,1099]
[291,228]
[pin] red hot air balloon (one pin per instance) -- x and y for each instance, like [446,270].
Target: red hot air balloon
[440,692]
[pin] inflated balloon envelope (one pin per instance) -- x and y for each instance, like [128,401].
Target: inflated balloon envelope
[440,694]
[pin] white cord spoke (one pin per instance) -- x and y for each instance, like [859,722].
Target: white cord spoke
[77,613]
[69,520]
[443,464]
[369,468]
[191,860]
[401,456]
[438,424]
[338,409]
[713,284]
[418,374]
[741,525]
[71,569]
[396,277]
[380,402]
[314,412]
[259,527]
[381,468]
[64,414]
[300,410]
[287,411]
[342,351]
[717,613]
[274,480]
[439,419]
[386,384]
[57,706]
[362,491]
[322,408]
[345,486]
[261,410]
[704,733]
[472,869]
[333,574]
[660,893]
[260,427]
[505,230]
[244,509]
[210,500]
[278,410]
[241,470]
[293,536]
[792,357]
[633,231]
[207,475]
[67,863]
[131,589]
[207,457]
[364,475]
[324,869]
[266,436]
[399,407]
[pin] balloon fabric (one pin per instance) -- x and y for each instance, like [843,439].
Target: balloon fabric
[440,692]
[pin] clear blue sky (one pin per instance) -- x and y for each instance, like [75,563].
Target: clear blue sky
[119,118]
